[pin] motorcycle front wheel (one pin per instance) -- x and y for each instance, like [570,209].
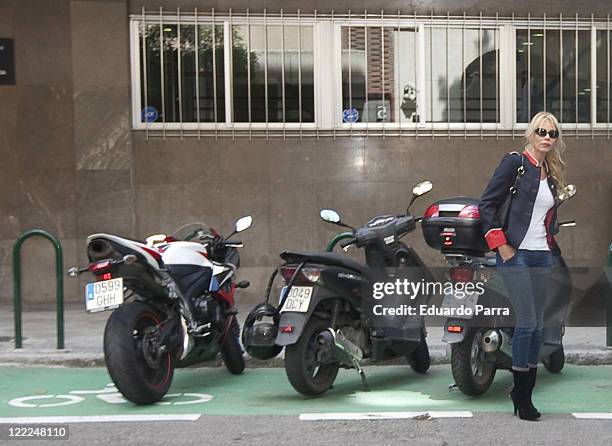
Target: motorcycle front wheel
[141,372]
[308,371]
[472,372]
[231,350]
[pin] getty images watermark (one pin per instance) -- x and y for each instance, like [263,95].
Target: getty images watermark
[460,299]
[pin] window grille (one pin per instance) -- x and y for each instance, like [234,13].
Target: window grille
[200,73]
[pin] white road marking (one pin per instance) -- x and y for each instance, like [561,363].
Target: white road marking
[112,398]
[383,415]
[99,418]
[593,415]
[110,388]
[65,400]
[199,398]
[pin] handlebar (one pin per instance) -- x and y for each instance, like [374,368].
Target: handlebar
[349,243]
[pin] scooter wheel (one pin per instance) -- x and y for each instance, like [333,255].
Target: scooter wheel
[305,371]
[472,372]
[419,359]
[555,362]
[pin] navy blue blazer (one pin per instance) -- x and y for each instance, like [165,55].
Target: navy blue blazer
[521,209]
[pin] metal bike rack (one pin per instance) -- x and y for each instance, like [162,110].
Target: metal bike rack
[337,238]
[59,306]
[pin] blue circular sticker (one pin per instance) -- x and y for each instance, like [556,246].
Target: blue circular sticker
[149,114]
[350,115]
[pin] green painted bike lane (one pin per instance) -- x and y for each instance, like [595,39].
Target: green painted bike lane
[27,392]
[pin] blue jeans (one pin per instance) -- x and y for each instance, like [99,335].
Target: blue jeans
[526,276]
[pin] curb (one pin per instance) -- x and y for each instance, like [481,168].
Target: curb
[439,355]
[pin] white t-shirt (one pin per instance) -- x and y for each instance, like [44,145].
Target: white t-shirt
[535,239]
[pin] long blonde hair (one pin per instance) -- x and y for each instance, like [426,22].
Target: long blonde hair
[556,165]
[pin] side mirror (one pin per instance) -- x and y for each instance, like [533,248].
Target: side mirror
[243,223]
[568,192]
[330,216]
[422,188]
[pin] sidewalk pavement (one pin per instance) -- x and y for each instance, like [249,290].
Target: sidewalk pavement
[84,332]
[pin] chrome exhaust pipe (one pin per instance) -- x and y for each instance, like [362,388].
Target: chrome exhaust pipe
[99,249]
[495,340]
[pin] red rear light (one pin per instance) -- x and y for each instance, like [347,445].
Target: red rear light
[454,329]
[432,211]
[461,274]
[287,329]
[469,212]
[100,267]
[306,276]
[287,272]
[107,276]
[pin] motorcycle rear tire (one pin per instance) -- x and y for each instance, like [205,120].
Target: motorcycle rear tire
[308,379]
[133,376]
[462,356]
[231,351]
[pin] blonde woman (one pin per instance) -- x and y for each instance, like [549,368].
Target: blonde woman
[524,242]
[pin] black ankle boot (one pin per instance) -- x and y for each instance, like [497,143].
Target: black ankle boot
[533,372]
[520,396]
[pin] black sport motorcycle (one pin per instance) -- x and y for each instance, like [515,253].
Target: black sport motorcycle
[325,319]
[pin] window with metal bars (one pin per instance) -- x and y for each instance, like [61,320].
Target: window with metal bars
[553,73]
[338,74]
[272,73]
[182,73]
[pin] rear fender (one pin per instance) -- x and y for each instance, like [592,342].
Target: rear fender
[291,324]
[452,337]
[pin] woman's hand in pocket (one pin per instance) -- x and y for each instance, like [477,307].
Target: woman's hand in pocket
[506,252]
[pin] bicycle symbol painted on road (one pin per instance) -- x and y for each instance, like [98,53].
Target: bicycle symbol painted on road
[109,395]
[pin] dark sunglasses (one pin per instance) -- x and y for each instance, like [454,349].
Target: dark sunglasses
[554,134]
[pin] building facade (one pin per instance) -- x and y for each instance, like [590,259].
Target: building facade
[135,117]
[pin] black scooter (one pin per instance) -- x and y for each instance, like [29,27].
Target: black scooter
[324,317]
[481,342]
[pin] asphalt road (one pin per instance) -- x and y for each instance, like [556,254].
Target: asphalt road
[483,429]
[260,408]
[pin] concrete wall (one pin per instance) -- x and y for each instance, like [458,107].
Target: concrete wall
[65,137]
[72,165]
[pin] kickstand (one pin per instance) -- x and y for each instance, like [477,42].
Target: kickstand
[364,382]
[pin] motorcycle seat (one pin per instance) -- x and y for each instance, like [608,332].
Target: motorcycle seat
[327,258]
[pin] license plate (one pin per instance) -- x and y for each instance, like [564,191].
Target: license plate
[469,301]
[297,300]
[106,295]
